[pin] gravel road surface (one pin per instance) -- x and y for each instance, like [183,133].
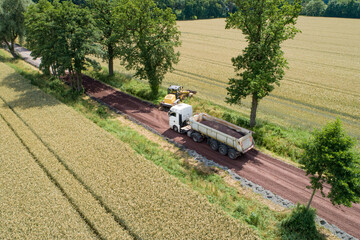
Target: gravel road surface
[280,178]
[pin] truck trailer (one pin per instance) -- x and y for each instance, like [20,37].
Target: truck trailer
[227,138]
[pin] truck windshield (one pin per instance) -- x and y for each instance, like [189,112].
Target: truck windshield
[172,114]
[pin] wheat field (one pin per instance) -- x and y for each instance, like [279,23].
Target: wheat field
[321,84]
[62,176]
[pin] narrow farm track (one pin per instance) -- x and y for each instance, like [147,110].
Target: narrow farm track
[281,178]
[110,191]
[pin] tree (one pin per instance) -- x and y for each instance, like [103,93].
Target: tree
[265,24]
[315,8]
[12,21]
[102,11]
[63,35]
[352,9]
[150,37]
[329,158]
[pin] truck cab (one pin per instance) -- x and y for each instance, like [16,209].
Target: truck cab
[179,116]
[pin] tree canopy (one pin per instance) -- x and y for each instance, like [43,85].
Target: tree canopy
[63,35]
[265,24]
[102,11]
[197,9]
[12,21]
[315,8]
[150,36]
[329,158]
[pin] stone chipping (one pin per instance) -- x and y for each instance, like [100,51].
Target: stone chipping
[244,182]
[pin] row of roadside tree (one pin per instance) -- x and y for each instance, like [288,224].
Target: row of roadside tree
[137,32]
[144,37]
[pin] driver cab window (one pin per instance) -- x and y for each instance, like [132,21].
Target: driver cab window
[172,114]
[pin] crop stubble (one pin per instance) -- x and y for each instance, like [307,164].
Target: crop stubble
[144,199]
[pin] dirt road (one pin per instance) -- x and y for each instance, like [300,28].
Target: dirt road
[281,178]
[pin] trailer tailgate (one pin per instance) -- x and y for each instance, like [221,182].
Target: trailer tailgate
[246,142]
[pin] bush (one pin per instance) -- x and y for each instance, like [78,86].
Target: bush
[300,225]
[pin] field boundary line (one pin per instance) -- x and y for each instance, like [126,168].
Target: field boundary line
[107,209]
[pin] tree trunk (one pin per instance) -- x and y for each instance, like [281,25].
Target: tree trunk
[111,59]
[154,85]
[315,187]
[12,48]
[254,106]
[78,82]
[111,66]
[308,206]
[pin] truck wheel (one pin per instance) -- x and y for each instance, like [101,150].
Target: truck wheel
[223,149]
[233,154]
[175,128]
[190,133]
[214,145]
[197,137]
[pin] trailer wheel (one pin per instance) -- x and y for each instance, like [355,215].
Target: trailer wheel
[233,154]
[197,137]
[214,145]
[223,149]
[175,128]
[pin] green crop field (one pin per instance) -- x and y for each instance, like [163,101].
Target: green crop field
[62,176]
[322,83]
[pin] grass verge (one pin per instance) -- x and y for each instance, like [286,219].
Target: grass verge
[285,142]
[140,196]
[207,181]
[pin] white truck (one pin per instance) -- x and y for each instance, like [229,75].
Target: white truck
[221,135]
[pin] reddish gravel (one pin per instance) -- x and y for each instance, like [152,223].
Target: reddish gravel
[281,178]
[222,128]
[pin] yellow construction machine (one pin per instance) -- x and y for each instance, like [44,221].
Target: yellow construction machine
[175,95]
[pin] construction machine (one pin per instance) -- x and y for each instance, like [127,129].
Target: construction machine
[175,95]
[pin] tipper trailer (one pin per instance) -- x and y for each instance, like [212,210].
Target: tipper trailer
[222,136]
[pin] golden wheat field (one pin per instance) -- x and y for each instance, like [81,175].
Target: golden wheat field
[322,82]
[62,176]
[31,205]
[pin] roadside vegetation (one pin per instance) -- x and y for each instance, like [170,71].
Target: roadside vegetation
[206,181]
[285,142]
[140,196]
[148,38]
